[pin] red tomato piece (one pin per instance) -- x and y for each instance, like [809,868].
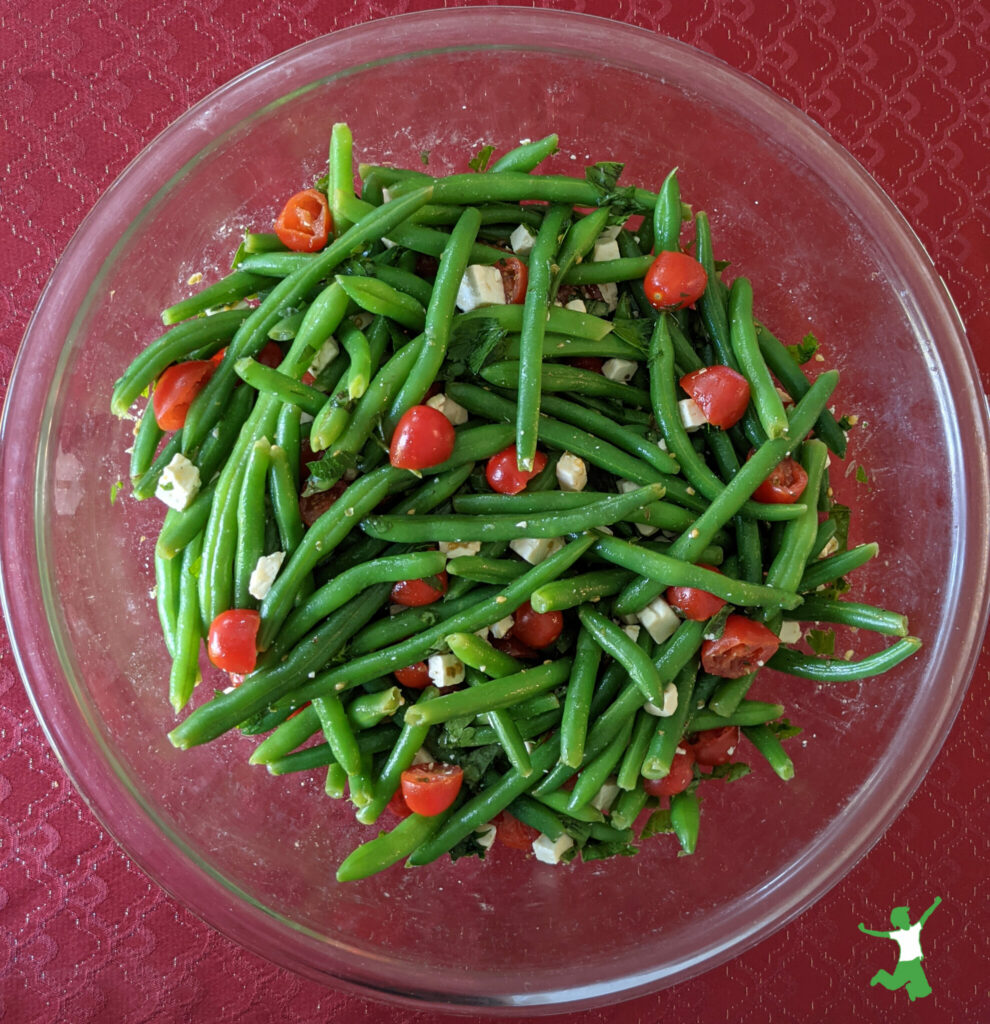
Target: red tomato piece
[231,643]
[299,710]
[430,789]
[679,777]
[743,647]
[423,437]
[398,806]
[536,629]
[505,476]
[312,506]
[175,390]
[514,647]
[513,833]
[304,225]
[416,677]
[515,278]
[416,593]
[694,604]
[591,363]
[674,280]
[715,746]
[784,485]
[720,392]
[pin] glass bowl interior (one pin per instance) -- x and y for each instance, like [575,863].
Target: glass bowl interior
[254,855]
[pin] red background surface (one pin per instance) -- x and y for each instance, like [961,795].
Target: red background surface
[86,937]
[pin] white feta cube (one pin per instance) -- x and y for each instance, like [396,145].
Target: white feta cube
[605,797]
[179,483]
[535,549]
[325,355]
[572,472]
[445,670]
[691,415]
[422,756]
[454,412]
[790,632]
[484,835]
[669,703]
[604,249]
[548,851]
[659,620]
[621,370]
[632,632]
[645,530]
[480,286]
[831,547]
[577,305]
[501,628]
[264,573]
[457,548]
[610,294]
[521,240]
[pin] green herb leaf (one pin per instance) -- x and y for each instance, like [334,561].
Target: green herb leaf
[114,491]
[840,514]
[600,851]
[424,157]
[634,332]
[481,159]
[729,772]
[716,624]
[784,730]
[658,823]
[468,847]
[804,350]
[821,641]
[861,476]
[327,470]
[473,343]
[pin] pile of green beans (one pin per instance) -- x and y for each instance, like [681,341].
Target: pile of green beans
[370,326]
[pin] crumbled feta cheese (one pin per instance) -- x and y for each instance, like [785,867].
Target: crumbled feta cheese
[632,631]
[691,416]
[501,628]
[480,286]
[264,573]
[386,195]
[326,354]
[422,756]
[831,546]
[454,412]
[621,370]
[659,620]
[572,473]
[535,549]
[605,797]
[610,294]
[484,835]
[549,852]
[790,632]
[669,703]
[445,670]
[604,249]
[522,240]
[457,548]
[577,305]
[625,486]
[179,483]
[785,398]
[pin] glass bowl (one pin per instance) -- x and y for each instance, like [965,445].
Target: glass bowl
[255,855]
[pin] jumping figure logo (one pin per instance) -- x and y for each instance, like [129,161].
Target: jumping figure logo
[908,973]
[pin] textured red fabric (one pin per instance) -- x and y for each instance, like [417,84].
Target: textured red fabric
[84,936]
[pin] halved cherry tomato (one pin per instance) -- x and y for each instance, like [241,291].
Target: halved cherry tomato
[312,506]
[505,476]
[423,437]
[592,363]
[514,647]
[416,593]
[270,355]
[784,485]
[175,390]
[299,710]
[304,225]
[536,629]
[694,604]
[720,392]
[677,779]
[743,647]
[231,643]
[715,746]
[511,832]
[416,677]
[674,280]
[515,278]
[430,789]
[398,806]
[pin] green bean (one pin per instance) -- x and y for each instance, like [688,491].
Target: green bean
[250,522]
[712,304]
[827,529]
[376,296]
[220,441]
[500,720]
[524,157]
[749,712]
[419,529]
[403,280]
[341,174]
[669,730]
[355,344]
[537,815]
[146,439]
[145,487]
[338,731]
[184,674]
[630,268]
[284,388]
[389,848]
[559,346]
[335,785]
[628,807]
[556,377]
[167,581]
[230,289]
[285,738]
[644,728]
[834,670]
[498,693]
[285,500]
[850,613]
[508,186]
[288,438]
[486,570]
[173,346]
[480,655]
[616,642]
[569,593]
[577,699]
[595,773]
[180,528]
[578,241]
[667,215]
[685,818]
[368,709]
[768,744]
[559,801]
[369,741]
[559,320]
[827,570]
[742,333]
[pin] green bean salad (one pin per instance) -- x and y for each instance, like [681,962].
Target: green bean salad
[488,497]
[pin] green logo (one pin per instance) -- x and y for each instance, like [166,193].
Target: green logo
[908,974]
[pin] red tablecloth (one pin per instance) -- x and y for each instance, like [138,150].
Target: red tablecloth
[84,936]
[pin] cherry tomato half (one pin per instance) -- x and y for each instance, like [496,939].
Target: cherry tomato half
[743,647]
[423,437]
[784,485]
[694,604]
[515,278]
[270,355]
[312,506]
[304,224]
[677,779]
[175,390]
[715,746]
[505,476]
[416,677]
[720,392]
[398,806]
[430,789]
[231,643]
[592,363]
[674,280]
[536,629]
[511,832]
[416,593]
[514,647]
